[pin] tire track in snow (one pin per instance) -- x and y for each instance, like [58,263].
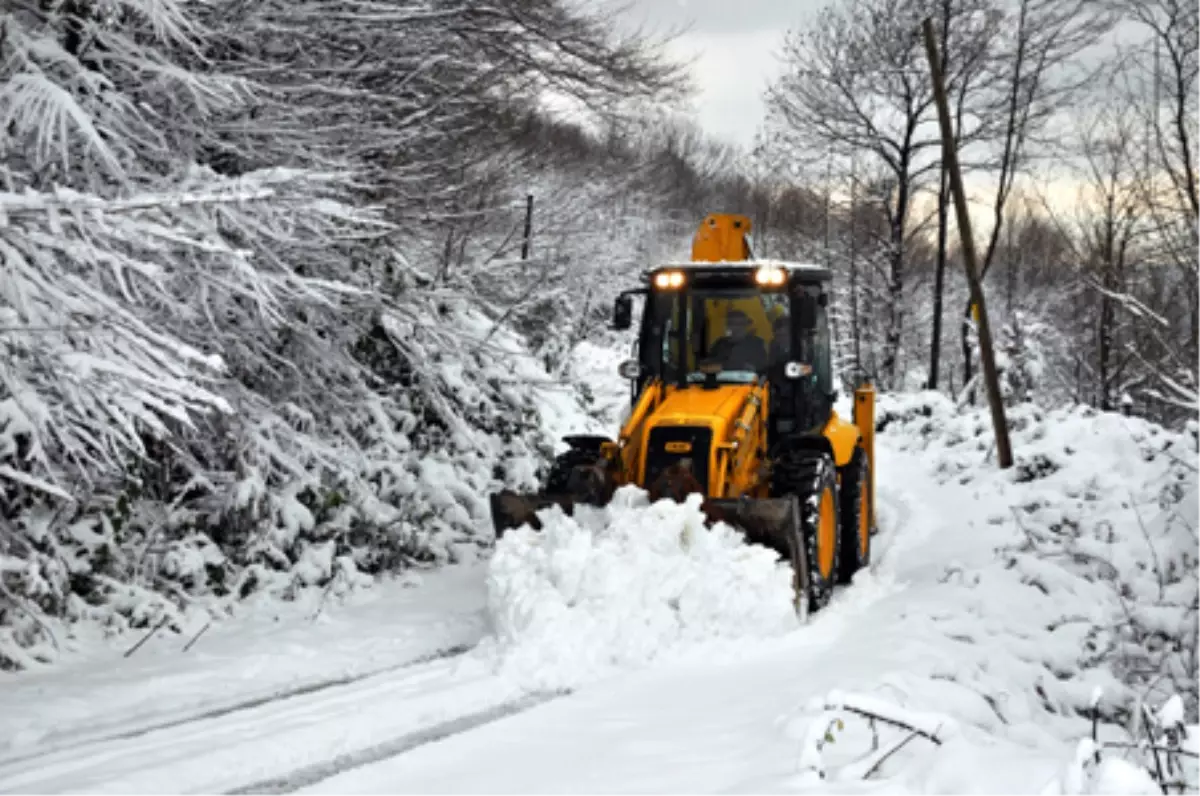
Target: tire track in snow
[73,742]
[214,754]
[318,772]
[902,506]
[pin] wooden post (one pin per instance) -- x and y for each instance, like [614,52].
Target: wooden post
[854,327]
[525,241]
[950,158]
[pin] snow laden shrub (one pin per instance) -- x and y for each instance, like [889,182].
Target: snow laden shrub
[618,587]
[128,272]
[281,497]
[1022,359]
[1100,507]
[1162,760]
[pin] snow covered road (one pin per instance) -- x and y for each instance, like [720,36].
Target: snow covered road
[253,700]
[689,725]
[280,740]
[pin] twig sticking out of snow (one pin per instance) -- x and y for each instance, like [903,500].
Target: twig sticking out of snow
[896,747]
[1083,775]
[1158,769]
[811,759]
[196,637]
[146,637]
[877,711]
[916,725]
[324,594]
[1150,747]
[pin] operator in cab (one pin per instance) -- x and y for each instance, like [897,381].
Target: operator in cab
[781,340]
[741,349]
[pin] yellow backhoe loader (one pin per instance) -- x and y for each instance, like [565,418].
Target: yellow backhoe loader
[732,396]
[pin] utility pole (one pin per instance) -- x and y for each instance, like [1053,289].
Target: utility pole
[525,242]
[828,178]
[858,367]
[950,158]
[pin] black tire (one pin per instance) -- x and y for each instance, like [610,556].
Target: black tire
[808,474]
[558,481]
[853,501]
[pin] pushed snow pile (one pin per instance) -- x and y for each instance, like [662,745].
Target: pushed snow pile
[616,588]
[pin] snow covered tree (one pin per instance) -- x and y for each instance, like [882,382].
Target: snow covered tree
[227,328]
[855,84]
[128,265]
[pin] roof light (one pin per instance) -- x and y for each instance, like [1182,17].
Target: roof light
[770,276]
[667,280]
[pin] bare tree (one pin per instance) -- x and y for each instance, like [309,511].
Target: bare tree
[854,83]
[420,98]
[1108,143]
[1033,63]
[968,80]
[1160,78]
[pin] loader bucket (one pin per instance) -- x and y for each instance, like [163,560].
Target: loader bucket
[511,510]
[773,523]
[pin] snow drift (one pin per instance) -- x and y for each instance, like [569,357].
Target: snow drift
[619,587]
[1097,520]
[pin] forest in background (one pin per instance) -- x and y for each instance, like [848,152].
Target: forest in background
[259,257]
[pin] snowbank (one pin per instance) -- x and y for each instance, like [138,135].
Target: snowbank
[616,588]
[1097,519]
[1026,593]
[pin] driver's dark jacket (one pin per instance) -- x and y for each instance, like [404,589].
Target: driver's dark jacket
[750,353]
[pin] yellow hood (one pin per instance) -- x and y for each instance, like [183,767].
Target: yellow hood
[697,406]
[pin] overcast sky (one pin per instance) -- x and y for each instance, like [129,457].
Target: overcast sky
[735,44]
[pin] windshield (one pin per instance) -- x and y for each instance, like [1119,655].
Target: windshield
[736,333]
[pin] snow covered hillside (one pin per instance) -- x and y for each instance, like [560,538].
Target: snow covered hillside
[629,650]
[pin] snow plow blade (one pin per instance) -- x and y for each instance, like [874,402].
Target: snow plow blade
[511,510]
[773,523]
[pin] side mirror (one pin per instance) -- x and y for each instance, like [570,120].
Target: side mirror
[622,313]
[806,312]
[629,369]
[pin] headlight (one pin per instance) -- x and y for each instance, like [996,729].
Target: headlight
[795,370]
[667,280]
[770,276]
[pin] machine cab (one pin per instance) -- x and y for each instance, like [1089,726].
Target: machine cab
[705,325]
